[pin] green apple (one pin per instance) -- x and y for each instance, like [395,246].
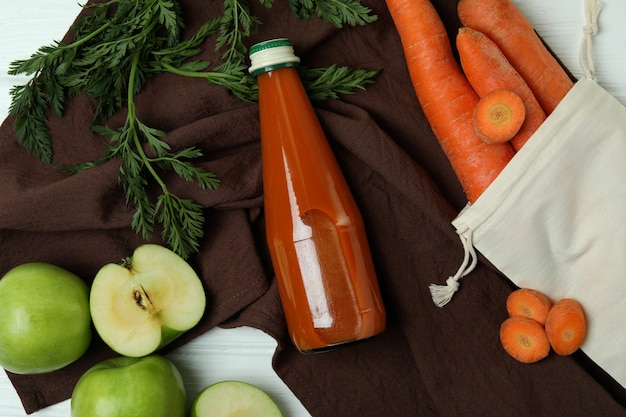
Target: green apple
[146,302]
[44,318]
[233,399]
[150,386]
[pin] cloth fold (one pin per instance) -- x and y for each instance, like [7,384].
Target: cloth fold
[429,362]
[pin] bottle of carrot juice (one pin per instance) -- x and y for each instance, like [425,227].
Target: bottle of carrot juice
[315,232]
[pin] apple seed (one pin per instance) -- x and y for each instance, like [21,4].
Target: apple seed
[142,299]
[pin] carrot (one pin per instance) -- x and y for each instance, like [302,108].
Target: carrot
[446,97]
[498,116]
[524,339]
[566,326]
[487,69]
[505,24]
[529,303]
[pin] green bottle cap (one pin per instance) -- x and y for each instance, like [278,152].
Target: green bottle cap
[270,55]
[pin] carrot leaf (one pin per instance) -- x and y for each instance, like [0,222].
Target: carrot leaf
[336,12]
[116,46]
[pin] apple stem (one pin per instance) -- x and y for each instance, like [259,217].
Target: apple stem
[127,262]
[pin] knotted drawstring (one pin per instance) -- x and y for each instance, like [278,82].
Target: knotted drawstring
[592,10]
[442,294]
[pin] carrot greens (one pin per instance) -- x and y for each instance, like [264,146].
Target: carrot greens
[337,12]
[117,45]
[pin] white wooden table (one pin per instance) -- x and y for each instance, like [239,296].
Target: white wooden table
[245,353]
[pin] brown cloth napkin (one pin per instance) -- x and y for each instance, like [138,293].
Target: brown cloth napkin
[429,362]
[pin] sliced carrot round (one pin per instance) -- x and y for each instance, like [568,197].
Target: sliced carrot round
[498,116]
[524,339]
[566,326]
[529,303]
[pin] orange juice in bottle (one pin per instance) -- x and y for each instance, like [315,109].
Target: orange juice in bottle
[315,232]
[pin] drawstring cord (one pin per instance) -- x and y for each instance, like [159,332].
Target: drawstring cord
[592,10]
[442,294]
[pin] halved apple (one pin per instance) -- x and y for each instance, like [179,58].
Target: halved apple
[147,301]
[233,399]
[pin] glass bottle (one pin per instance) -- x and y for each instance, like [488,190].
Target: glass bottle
[315,233]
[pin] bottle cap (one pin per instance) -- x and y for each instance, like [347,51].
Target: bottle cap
[272,54]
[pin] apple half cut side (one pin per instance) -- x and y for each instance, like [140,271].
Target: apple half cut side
[233,399]
[148,301]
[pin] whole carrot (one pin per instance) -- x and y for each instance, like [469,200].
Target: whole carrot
[445,95]
[505,24]
[487,69]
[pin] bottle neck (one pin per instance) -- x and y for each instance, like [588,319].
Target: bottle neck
[280,81]
[274,67]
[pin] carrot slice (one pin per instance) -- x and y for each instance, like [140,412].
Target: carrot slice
[446,97]
[524,339]
[487,69]
[505,24]
[498,116]
[566,326]
[529,303]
